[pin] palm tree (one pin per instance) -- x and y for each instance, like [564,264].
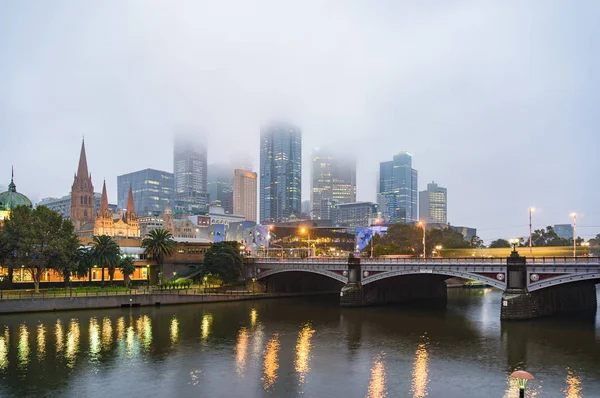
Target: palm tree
[158,244]
[127,268]
[105,253]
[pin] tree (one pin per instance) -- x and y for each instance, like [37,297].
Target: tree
[68,258]
[224,260]
[39,239]
[158,244]
[127,268]
[85,262]
[500,243]
[105,253]
[477,242]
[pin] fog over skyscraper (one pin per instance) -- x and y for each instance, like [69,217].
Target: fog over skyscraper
[398,192]
[189,167]
[280,172]
[333,182]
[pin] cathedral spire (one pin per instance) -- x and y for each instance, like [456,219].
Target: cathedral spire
[130,205]
[104,200]
[82,169]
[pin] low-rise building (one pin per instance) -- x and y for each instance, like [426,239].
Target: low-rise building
[354,214]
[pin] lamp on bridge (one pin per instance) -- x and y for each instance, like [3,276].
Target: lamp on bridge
[514,242]
[586,247]
[438,250]
[522,378]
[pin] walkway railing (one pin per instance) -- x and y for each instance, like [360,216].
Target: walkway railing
[16,295]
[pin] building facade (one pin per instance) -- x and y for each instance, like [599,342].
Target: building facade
[11,199]
[244,194]
[333,182]
[63,205]
[220,186]
[357,214]
[152,191]
[398,190]
[280,172]
[564,231]
[190,173]
[125,225]
[433,204]
[82,194]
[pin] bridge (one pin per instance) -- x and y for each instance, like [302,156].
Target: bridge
[532,287]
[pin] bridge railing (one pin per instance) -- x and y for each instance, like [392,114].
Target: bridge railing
[435,260]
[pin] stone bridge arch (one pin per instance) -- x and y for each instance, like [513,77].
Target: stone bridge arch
[449,273]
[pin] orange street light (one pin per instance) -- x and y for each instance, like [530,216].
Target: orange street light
[422,225]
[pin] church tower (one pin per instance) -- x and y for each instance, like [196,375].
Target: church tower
[132,219]
[104,223]
[82,194]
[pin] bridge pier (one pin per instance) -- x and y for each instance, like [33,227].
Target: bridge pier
[351,294]
[519,304]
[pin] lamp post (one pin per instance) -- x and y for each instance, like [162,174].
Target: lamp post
[422,225]
[438,249]
[148,274]
[305,231]
[522,378]
[574,215]
[514,242]
[531,210]
[372,236]
[586,246]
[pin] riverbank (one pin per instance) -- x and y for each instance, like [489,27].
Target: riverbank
[160,298]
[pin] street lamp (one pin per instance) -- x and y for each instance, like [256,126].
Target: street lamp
[305,231]
[438,249]
[522,378]
[531,210]
[586,246]
[574,215]
[422,225]
[148,274]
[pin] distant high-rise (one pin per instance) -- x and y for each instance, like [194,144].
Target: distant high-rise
[433,204]
[189,167]
[152,191]
[280,172]
[244,194]
[398,192]
[220,186]
[82,194]
[333,182]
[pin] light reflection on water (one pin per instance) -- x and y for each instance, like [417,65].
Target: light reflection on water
[205,327]
[271,362]
[107,333]
[95,340]
[241,348]
[303,351]
[174,330]
[23,346]
[4,342]
[72,343]
[41,341]
[573,382]
[59,335]
[377,383]
[420,376]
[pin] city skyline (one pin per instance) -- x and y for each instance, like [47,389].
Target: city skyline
[505,113]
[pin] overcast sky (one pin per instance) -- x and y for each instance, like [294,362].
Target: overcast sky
[496,100]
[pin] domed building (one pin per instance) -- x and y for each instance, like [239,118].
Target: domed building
[11,199]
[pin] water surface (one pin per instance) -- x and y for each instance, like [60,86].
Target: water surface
[298,347]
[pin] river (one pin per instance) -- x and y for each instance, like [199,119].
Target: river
[306,347]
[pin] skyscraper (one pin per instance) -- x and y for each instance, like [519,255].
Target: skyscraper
[152,191]
[280,172]
[333,182]
[244,194]
[82,193]
[433,204]
[397,195]
[220,186]
[189,166]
